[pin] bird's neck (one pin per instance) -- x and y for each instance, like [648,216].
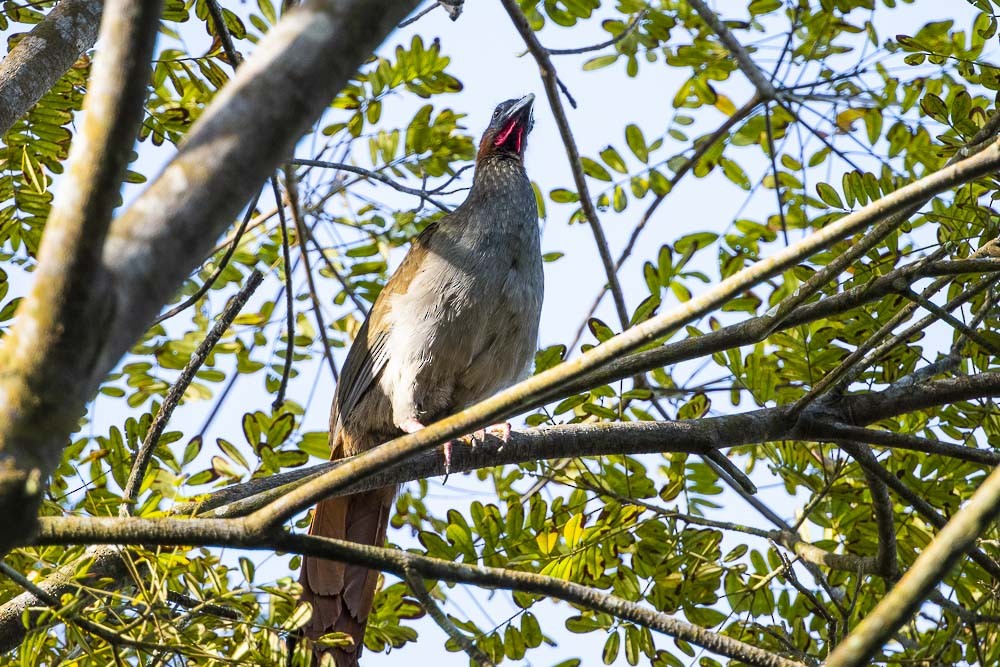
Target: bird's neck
[496,173]
[501,201]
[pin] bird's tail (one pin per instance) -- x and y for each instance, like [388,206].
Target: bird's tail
[341,595]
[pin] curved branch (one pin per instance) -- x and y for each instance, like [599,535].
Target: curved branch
[368,173]
[400,563]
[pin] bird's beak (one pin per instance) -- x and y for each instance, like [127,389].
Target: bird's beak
[521,108]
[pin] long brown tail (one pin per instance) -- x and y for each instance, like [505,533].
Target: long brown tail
[341,595]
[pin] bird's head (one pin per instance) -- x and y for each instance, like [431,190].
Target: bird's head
[507,134]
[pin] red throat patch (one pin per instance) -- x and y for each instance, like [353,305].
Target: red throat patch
[504,135]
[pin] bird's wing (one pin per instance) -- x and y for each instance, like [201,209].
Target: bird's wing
[368,355]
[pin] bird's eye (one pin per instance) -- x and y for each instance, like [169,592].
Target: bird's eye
[496,113]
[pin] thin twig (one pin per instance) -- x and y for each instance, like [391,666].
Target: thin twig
[603,45]
[225,37]
[348,289]
[772,154]
[700,148]
[279,398]
[743,58]
[220,267]
[368,173]
[291,187]
[888,563]
[173,397]
[960,326]
[549,81]
[419,590]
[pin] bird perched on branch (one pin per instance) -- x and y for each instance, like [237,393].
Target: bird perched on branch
[457,322]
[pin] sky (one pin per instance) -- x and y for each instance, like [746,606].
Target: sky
[488,57]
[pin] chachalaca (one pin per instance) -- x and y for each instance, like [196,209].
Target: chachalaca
[456,322]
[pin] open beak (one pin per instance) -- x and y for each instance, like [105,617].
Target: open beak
[515,124]
[521,109]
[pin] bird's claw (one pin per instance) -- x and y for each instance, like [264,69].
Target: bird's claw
[412,425]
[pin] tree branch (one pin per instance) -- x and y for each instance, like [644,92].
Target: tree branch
[173,397]
[44,55]
[550,384]
[417,587]
[931,566]
[234,534]
[374,175]
[57,333]
[551,83]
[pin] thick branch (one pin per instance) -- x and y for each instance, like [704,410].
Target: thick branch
[42,56]
[251,126]
[65,340]
[547,385]
[47,359]
[574,440]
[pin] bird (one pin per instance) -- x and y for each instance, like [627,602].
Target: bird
[454,324]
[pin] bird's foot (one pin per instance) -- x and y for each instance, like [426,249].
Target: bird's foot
[412,425]
[501,431]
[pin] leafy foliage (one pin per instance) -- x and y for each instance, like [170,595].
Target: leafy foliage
[862,114]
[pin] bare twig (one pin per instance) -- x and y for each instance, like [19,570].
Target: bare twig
[549,81]
[291,187]
[701,147]
[225,37]
[757,77]
[374,175]
[279,398]
[223,263]
[419,590]
[633,24]
[173,397]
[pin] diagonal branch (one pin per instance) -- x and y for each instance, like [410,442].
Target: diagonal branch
[55,336]
[551,83]
[416,583]
[301,233]
[755,74]
[44,55]
[701,146]
[932,565]
[548,384]
[173,398]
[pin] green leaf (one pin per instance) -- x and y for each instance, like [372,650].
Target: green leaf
[636,142]
[829,195]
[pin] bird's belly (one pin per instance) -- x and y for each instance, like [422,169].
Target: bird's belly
[462,337]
